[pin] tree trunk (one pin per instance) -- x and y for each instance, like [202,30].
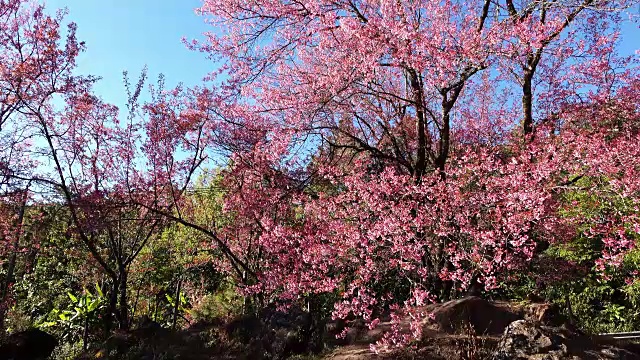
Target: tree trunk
[527,102]
[421,129]
[111,309]
[155,310]
[176,304]
[85,333]
[135,303]
[567,302]
[123,306]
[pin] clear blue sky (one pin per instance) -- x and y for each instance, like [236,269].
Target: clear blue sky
[127,34]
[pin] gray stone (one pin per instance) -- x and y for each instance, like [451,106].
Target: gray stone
[527,340]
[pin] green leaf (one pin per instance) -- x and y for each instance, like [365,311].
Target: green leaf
[99,291]
[87,293]
[72,297]
[93,305]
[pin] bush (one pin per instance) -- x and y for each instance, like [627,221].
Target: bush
[223,304]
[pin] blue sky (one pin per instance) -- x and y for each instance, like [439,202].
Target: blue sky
[127,34]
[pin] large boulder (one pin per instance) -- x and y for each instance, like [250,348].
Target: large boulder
[491,317]
[527,340]
[482,316]
[32,344]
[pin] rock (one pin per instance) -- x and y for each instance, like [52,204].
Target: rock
[290,332]
[146,327]
[544,313]
[341,332]
[278,333]
[32,344]
[485,318]
[523,339]
[526,340]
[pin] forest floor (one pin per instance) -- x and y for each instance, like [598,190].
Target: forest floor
[468,328]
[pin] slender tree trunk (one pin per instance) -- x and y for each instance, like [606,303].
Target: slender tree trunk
[244,304]
[122,293]
[176,304]
[527,102]
[421,124]
[135,303]
[111,309]
[443,154]
[567,301]
[155,310]
[85,334]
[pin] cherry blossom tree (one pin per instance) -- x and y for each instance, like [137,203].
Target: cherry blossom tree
[441,135]
[390,153]
[59,137]
[35,67]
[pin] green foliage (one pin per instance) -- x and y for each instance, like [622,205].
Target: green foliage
[601,307]
[81,312]
[598,302]
[52,277]
[17,320]
[49,271]
[222,304]
[67,350]
[181,254]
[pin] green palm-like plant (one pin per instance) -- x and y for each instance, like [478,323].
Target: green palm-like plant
[77,315]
